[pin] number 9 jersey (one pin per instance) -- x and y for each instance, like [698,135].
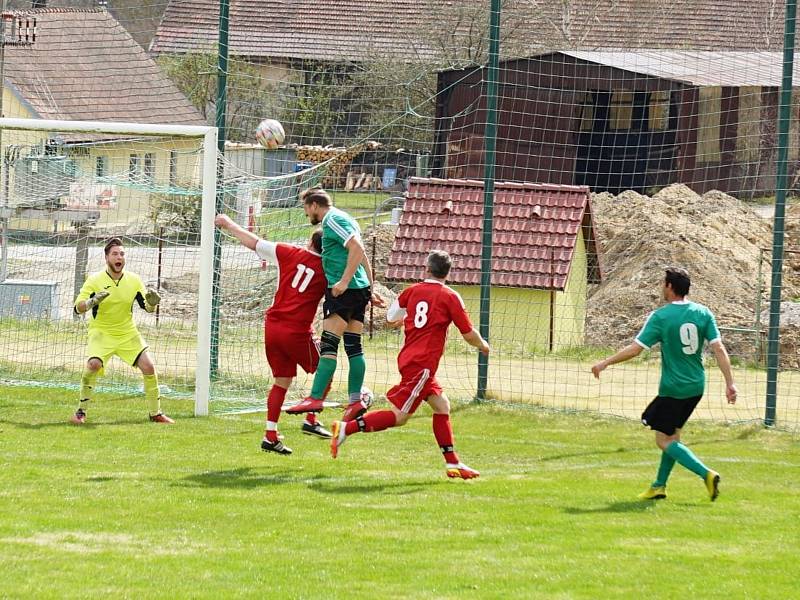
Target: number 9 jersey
[430,308]
[682,328]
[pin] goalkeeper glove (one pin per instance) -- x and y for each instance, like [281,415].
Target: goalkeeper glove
[96,299]
[152,297]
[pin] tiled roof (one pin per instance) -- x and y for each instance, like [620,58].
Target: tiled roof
[358,30]
[535,231]
[85,66]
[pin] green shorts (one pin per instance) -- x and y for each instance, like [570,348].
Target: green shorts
[104,346]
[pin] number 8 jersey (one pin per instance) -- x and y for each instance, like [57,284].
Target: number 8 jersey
[430,308]
[682,328]
[301,285]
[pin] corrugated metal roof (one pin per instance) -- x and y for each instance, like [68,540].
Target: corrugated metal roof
[535,231]
[702,68]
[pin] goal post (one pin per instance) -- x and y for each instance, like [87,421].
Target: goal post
[206,138]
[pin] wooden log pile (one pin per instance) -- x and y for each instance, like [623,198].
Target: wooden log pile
[336,170]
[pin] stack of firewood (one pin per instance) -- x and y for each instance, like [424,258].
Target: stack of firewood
[356,182]
[335,171]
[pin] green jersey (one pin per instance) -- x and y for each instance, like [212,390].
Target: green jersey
[338,228]
[682,328]
[113,316]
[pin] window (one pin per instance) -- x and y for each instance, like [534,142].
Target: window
[709,108]
[150,167]
[659,111]
[173,167]
[621,111]
[134,168]
[101,166]
[586,111]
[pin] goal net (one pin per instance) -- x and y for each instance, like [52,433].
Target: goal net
[67,187]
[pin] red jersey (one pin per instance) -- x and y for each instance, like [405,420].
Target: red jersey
[301,285]
[430,308]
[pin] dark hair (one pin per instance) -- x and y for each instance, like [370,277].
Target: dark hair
[315,195]
[439,263]
[316,240]
[111,244]
[678,280]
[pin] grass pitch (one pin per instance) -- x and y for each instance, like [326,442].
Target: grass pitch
[125,508]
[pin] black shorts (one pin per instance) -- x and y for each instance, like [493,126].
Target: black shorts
[351,305]
[666,414]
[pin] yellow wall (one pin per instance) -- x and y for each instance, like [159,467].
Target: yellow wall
[520,318]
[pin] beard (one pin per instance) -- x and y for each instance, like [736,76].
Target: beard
[314,220]
[116,267]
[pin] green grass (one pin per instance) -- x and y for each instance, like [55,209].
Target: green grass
[125,508]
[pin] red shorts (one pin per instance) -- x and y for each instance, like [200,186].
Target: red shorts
[416,385]
[287,348]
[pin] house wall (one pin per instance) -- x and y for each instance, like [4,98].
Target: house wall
[570,305]
[520,318]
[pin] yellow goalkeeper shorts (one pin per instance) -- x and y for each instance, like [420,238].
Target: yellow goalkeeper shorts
[104,346]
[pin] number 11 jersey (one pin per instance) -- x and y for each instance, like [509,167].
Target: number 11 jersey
[430,308]
[682,328]
[301,285]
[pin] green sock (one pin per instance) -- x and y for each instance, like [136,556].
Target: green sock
[664,469]
[355,376]
[686,458]
[323,376]
[87,385]
[151,393]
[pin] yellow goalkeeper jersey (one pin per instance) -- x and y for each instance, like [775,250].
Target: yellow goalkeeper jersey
[114,315]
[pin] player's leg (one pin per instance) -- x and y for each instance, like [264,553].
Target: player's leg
[307,357]
[89,376]
[443,432]
[672,415]
[657,416]
[277,394]
[357,368]
[333,327]
[376,420]
[405,398]
[144,363]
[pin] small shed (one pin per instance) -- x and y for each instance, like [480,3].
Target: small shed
[622,119]
[544,254]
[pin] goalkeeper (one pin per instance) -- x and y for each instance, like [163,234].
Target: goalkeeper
[108,296]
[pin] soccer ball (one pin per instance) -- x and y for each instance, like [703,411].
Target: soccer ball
[270,133]
[367,397]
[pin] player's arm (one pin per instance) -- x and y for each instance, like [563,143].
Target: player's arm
[724,364]
[460,318]
[473,338]
[628,352]
[248,239]
[89,297]
[147,298]
[375,299]
[355,256]
[395,314]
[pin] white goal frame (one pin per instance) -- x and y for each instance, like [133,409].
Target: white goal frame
[208,137]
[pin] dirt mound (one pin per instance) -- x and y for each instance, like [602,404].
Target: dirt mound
[381,238]
[715,236]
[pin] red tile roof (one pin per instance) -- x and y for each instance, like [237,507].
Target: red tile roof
[535,231]
[358,30]
[85,66]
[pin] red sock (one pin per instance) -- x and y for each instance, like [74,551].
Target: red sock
[311,418]
[377,420]
[274,403]
[443,432]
